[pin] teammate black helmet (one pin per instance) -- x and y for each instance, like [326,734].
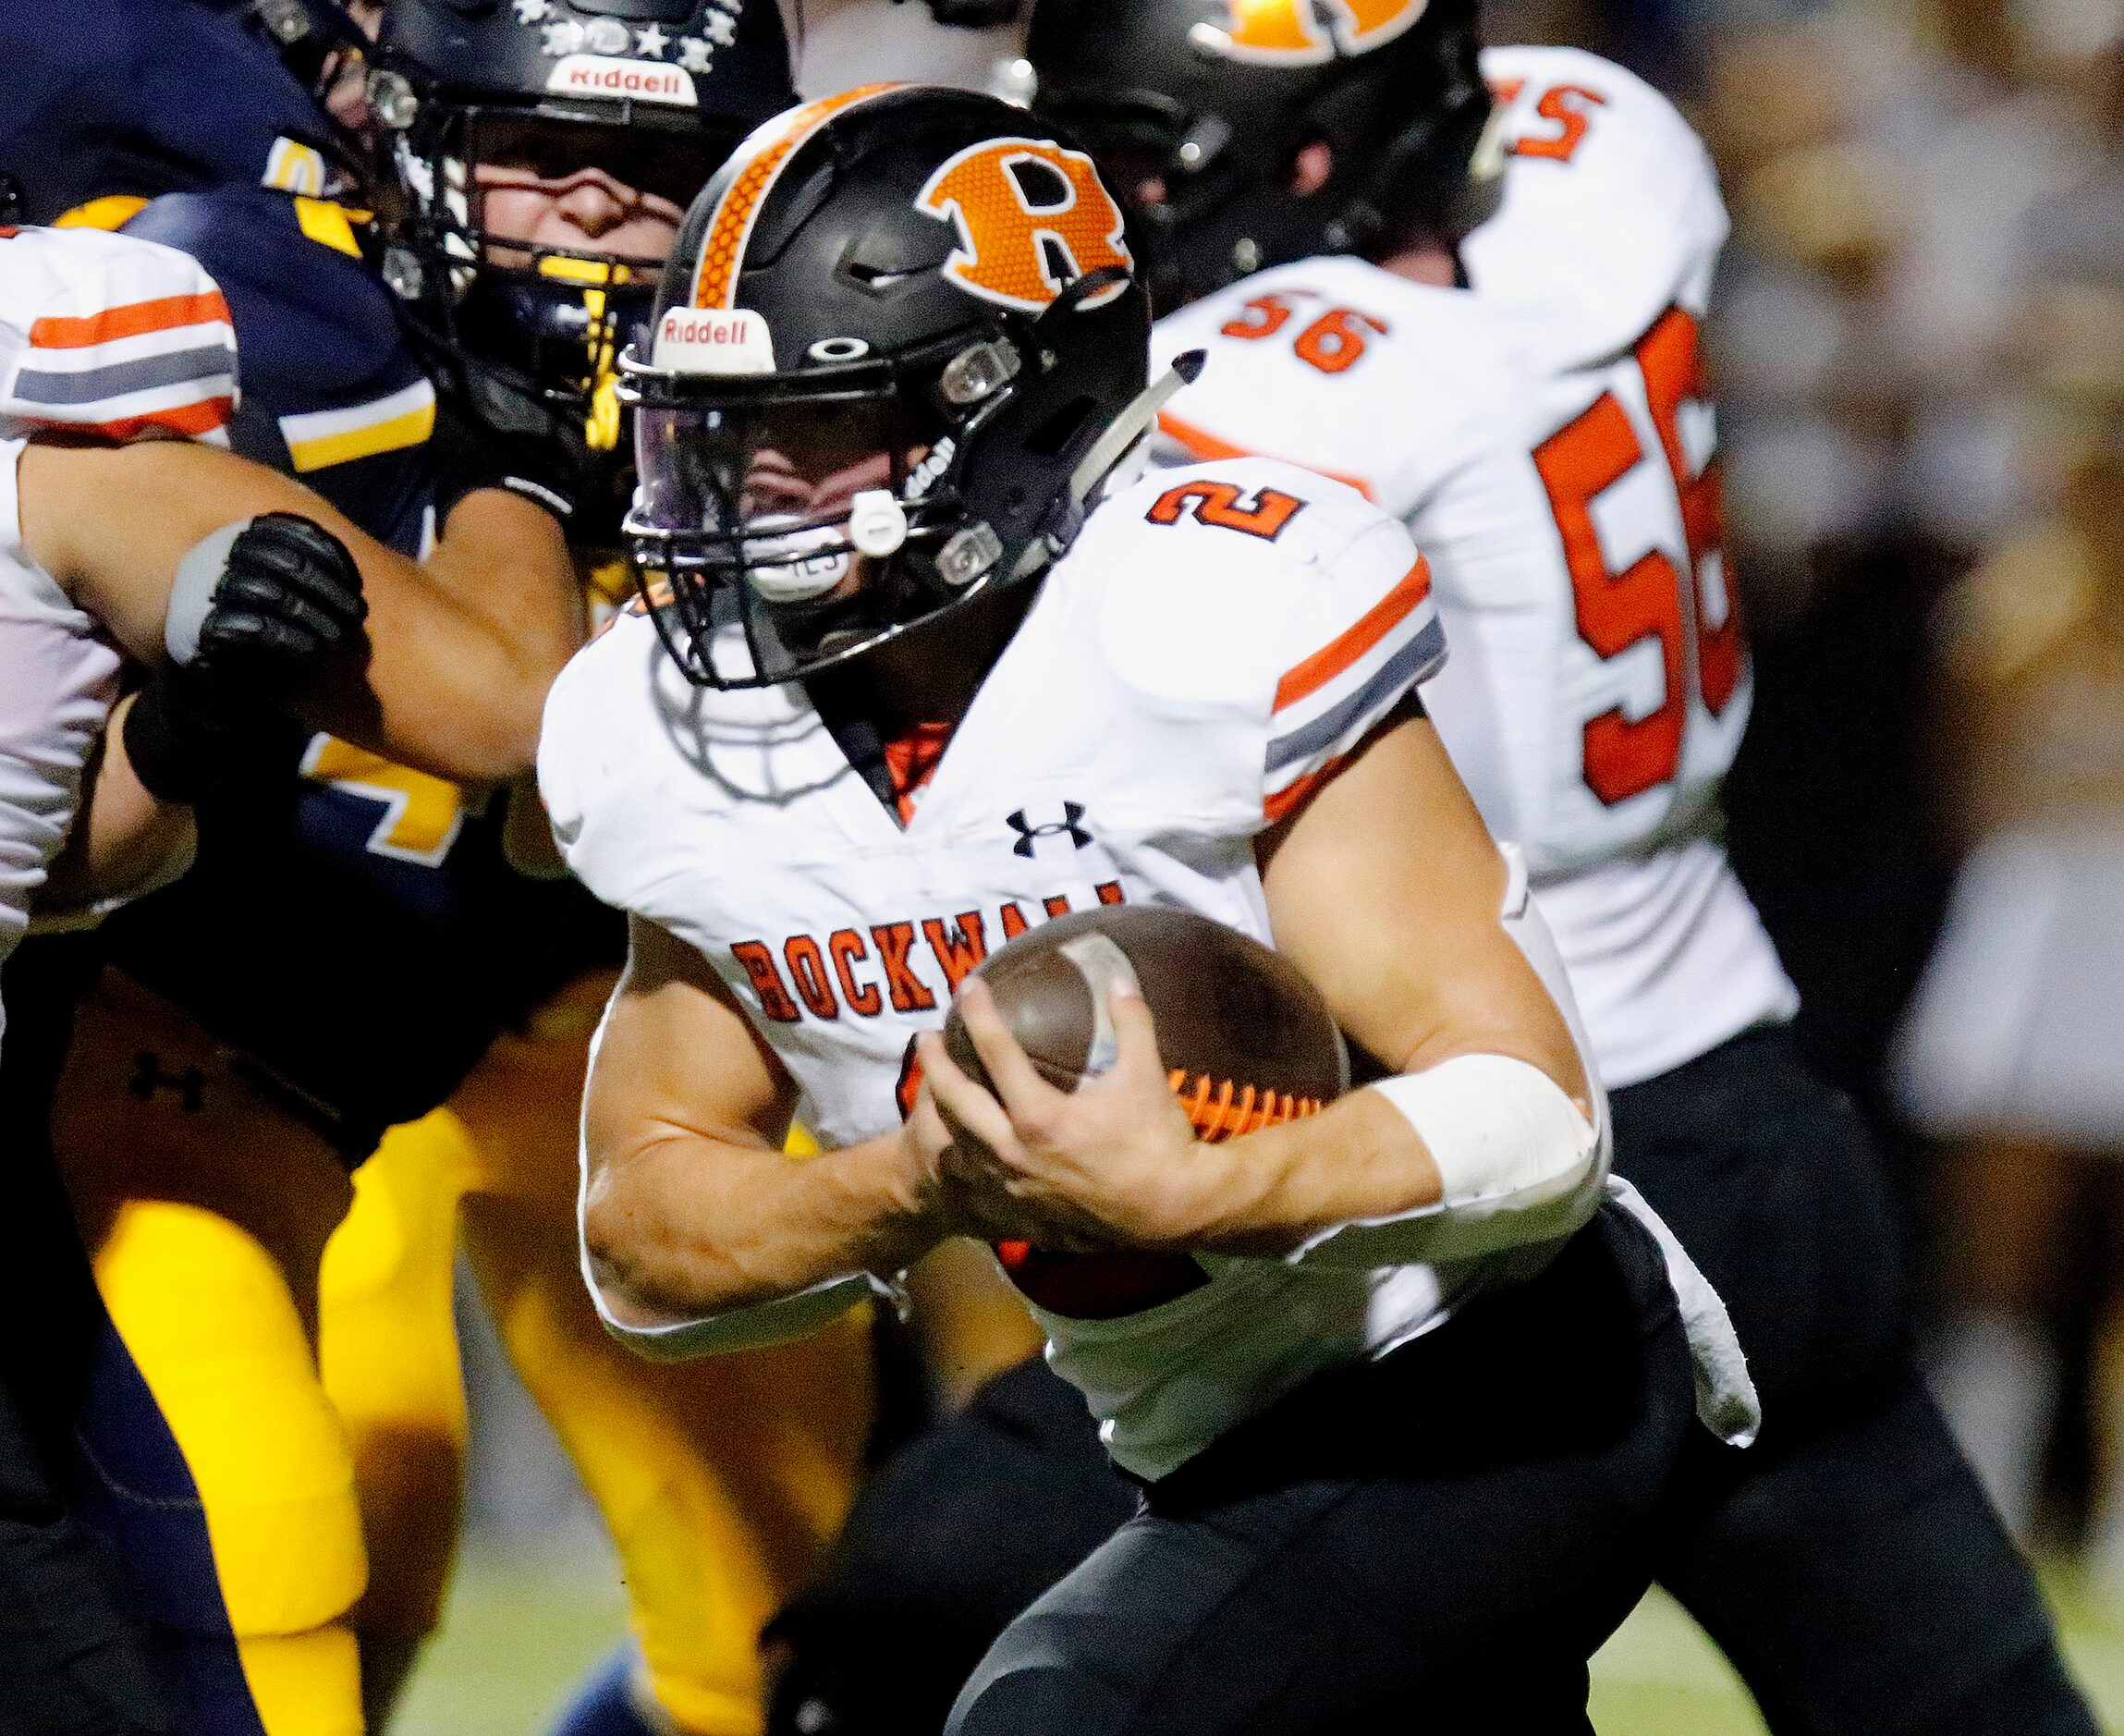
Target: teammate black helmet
[898,347]
[1198,111]
[655,92]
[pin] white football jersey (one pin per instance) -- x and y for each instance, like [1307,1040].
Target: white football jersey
[100,335]
[1214,641]
[1546,435]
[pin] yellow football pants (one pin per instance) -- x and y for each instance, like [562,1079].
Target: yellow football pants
[207,1211]
[220,1247]
[721,1480]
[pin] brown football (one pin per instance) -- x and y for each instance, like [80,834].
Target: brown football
[1246,1041]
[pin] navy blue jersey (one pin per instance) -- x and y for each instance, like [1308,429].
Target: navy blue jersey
[353,928]
[332,394]
[104,100]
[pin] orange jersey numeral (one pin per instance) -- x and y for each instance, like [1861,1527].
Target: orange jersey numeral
[1562,104]
[1219,503]
[1618,611]
[1331,343]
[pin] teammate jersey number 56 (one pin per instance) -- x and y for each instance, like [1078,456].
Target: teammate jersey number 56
[1696,619]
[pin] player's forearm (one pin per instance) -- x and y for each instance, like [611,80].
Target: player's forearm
[464,646]
[1282,1186]
[125,843]
[505,566]
[1481,1152]
[445,688]
[681,1227]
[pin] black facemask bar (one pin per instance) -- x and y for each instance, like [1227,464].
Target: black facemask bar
[719,544]
[546,323]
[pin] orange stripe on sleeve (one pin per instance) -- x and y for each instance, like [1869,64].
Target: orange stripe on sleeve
[189,420]
[1275,807]
[1205,445]
[163,314]
[1344,649]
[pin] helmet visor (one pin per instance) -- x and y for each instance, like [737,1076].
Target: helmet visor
[663,164]
[765,467]
[783,514]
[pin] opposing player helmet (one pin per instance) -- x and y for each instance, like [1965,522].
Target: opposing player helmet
[899,348]
[655,92]
[1199,112]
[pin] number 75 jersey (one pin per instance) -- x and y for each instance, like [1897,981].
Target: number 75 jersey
[1547,434]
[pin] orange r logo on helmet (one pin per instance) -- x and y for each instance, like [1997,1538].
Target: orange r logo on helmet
[1031,218]
[1304,32]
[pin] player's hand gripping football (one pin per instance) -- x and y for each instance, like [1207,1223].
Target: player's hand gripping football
[1113,1164]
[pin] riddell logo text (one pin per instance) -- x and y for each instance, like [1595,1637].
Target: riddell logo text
[683,325]
[643,80]
[865,970]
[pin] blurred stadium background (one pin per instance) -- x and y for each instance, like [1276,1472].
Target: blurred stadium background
[1920,354]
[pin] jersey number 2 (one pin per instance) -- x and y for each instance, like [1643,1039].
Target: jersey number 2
[1648,599]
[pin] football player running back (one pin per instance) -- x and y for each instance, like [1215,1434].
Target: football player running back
[918,663]
[1472,291]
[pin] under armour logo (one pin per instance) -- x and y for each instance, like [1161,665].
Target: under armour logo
[1029,834]
[190,1086]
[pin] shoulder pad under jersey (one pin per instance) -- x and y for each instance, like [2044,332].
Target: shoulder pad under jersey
[124,100]
[333,393]
[109,335]
[1255,602]
[1345,369]
[1610,211]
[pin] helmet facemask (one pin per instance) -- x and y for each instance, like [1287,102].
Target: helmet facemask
[820,514]
[863,408]
[529,309]
[541,324]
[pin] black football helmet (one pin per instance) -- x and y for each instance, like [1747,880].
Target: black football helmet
[655,92]
[1197,111]
[898,350]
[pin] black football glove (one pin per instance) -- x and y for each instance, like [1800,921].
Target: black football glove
[285,597]
[487,437]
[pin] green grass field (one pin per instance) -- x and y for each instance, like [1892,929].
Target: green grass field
[520,1629]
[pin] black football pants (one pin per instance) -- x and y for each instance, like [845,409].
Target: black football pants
[1437,1541]
[1847,1564]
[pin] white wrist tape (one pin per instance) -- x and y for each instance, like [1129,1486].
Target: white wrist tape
[191,592]
[1519,1161]
[1498,1129]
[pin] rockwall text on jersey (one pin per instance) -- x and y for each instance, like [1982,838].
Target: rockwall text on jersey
[1214,643]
